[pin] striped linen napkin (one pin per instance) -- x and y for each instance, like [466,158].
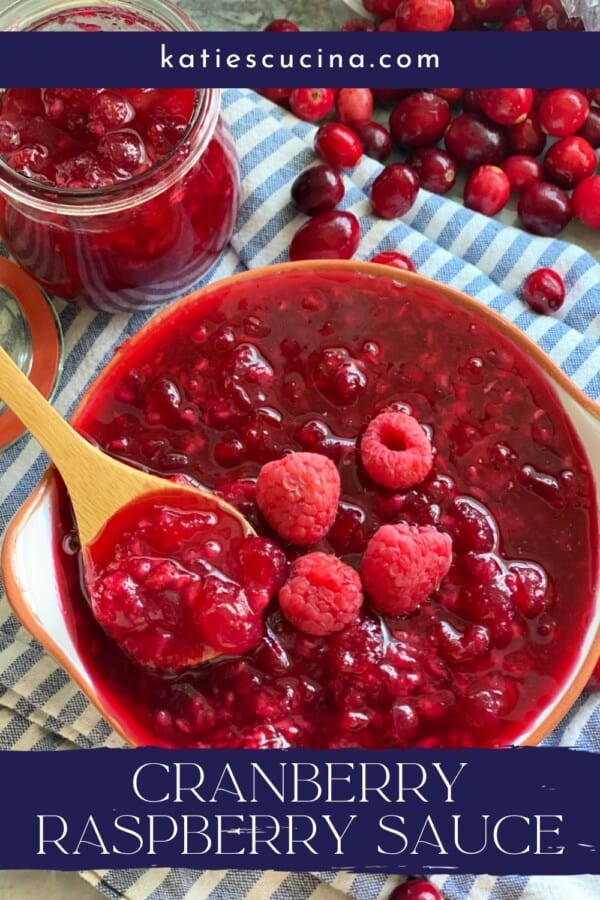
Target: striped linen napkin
[40,708]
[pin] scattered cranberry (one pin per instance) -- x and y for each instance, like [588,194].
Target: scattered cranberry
[419,119]
[487,190]
[395,259]
[544,208]
[383,9]
[506,106]
[394,191]
[521,171]
[569,161]
[359,24]
[590,130]
[475,141]
[562,112]
[586,201]
[354,106]
[544,290]
[526,137]
[424,15]
[330,235]
[375,139]
[550,15]
[311,104]
[338,145]
[518,23]
[416,889]
[493,10]
[463,19]
[451,95]
[281,25]
[436,169]
[317,190]
[280,96]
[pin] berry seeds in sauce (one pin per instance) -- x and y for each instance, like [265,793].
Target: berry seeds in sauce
[304,362]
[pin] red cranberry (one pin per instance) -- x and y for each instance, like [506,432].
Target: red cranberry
[544,290]
[330,235]
[522,170]
[451,95]
[416,889]
[549,15]
[518,23]
[593,95]
[375,139]
[424,15]
[383,9]
[387,25]
[311,104]
[544,208]
[395,259]
[492,10]
[394,191]
[389,96]
[590,130]
[470,100]
[562,112]
[506,106]
[436,169]
[463,18]
[281,25]
[586,201]
[487,190]
[569,161]
[317,190]
[280,96]
[527,137]
[419,119]
[338,145]
[359,24]
[354,106]
[475,141]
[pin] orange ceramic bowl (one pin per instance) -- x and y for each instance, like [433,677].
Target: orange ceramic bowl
[38,594]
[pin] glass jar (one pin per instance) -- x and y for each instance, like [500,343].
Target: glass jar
[139,242]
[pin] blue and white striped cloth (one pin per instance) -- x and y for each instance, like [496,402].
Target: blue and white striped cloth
[40,708]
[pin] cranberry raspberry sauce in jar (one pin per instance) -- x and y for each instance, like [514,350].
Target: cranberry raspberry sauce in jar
[117,199]
[239,388]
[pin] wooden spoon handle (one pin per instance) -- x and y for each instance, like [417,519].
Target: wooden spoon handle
[59,440]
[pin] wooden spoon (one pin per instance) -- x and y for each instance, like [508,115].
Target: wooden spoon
[98,485]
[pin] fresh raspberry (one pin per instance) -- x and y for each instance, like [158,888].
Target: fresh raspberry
[395,450]
[298,496]
[323,594]
[403,564]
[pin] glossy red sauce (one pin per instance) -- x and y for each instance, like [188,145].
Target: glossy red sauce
[304,362]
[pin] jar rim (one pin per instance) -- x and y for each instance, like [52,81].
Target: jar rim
[117,197]
[25,15]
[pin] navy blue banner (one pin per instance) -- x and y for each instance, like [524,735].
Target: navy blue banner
[521,811]
[330,59]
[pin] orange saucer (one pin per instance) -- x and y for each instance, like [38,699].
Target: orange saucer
[45,338]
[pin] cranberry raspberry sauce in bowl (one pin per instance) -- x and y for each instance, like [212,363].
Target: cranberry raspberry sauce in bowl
[424,571]
[119,199]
